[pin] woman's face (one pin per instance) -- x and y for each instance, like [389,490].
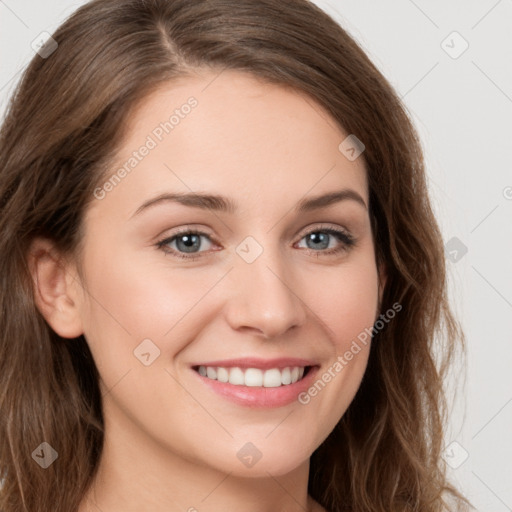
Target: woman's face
[265,280]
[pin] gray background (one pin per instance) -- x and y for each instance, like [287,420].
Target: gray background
[462,109]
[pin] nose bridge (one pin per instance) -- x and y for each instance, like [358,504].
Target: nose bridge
[264,297]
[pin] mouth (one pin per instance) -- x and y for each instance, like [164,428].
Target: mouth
[255,382]
[254,377]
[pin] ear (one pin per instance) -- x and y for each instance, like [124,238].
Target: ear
[55,289]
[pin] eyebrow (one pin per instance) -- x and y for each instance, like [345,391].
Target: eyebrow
[224,204]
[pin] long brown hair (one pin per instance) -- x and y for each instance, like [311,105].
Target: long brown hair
[62,128]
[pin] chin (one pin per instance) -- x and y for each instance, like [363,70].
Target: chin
[264,468]
[276,460]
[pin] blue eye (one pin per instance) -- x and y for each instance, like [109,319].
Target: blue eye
[188,242]
[321,238]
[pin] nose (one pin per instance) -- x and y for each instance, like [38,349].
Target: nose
[264,299]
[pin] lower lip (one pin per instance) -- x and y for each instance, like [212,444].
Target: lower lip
[261,397]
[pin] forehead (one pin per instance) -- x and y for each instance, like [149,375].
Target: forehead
[232,133]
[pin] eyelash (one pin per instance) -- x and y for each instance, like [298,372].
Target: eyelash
[347,242]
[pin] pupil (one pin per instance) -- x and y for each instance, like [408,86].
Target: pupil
[316,237]
[189,242]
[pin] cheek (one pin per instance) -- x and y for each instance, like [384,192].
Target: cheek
[347,301]
[131,300]
[348,308]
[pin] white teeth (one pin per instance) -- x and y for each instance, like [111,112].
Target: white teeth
[236,377]
[272,378]
[286,376]
[222,374]
[254,377]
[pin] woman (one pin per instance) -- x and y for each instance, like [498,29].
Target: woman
[221,274]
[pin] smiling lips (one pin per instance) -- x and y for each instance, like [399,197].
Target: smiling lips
[255,372]
[256,383]
[253,377]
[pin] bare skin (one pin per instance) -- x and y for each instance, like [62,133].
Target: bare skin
[171,443]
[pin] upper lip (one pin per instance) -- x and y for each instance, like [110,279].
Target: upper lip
[254,362]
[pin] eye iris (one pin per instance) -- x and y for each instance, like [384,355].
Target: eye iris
[191,242]
[319,237]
